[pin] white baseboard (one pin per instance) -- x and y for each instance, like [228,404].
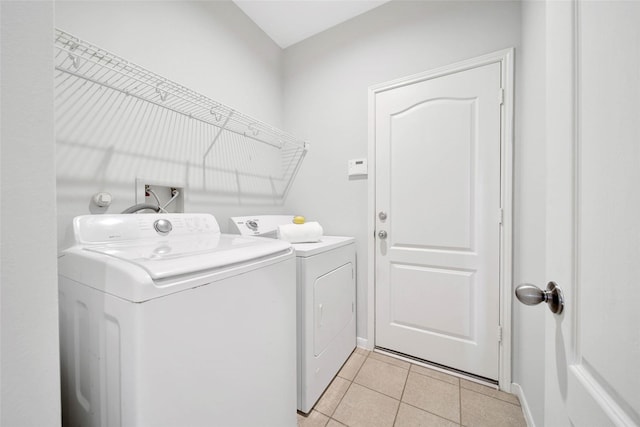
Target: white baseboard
[363,343]
[517,390]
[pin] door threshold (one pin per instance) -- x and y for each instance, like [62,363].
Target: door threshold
[437,367]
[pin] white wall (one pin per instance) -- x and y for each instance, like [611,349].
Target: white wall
[29,372]
[530,203]
[209,47]
[326,80]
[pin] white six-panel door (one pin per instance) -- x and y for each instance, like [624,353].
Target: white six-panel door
[438,199]
[593,213]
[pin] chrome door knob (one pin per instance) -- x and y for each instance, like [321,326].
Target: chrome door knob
[382,234]
[531,295]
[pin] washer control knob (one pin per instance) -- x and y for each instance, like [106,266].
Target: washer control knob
[253,225]
[163,226]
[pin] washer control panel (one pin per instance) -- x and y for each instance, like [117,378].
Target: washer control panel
[122,227]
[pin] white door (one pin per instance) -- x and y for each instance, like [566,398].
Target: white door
[593,213]
[437,160]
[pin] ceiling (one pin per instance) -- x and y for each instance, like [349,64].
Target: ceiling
[289,21]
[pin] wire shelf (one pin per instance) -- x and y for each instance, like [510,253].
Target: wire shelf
[86,72]
[84,60]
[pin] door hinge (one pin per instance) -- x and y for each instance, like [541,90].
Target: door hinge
[499,333]
[501,96]
[500,215]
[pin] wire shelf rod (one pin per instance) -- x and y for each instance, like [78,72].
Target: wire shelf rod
[189,111]
[215,138]
[78,52]
[160,104]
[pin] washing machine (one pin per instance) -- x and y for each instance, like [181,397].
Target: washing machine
[326,301]
[165,321]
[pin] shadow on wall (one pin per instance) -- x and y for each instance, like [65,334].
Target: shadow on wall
[109,138]
[117,122]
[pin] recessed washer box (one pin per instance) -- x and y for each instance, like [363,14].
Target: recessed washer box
[164,191]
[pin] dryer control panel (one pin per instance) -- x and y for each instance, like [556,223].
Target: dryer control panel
[258,225]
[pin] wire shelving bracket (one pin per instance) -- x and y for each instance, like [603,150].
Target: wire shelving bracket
[76,58]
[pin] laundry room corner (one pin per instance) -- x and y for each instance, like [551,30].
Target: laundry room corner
[229,60]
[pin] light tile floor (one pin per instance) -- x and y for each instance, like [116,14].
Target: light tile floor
[374,390]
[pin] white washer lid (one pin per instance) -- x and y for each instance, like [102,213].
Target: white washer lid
[326,243]
[165,258]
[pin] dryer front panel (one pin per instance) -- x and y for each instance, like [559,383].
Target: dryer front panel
[334,305]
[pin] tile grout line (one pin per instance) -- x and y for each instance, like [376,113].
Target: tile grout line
[400,401]
[492,397]
[425,364]
[468,389]
[389,363]
[347,391]
[460,401]
[322,396]
[404,387]
[430,413]
[358,371]
[409,371]
[339,402]
[422,409]
[403,390]
[334,378]
[378,391]
[434,378]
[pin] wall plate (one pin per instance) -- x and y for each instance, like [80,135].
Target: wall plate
[357,167]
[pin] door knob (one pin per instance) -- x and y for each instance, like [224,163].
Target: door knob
[382,234]
[531,295]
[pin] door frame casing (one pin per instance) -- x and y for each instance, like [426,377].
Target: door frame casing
[505,58]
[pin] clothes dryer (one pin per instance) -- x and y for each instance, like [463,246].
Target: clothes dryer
[326,303]
[167,322]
